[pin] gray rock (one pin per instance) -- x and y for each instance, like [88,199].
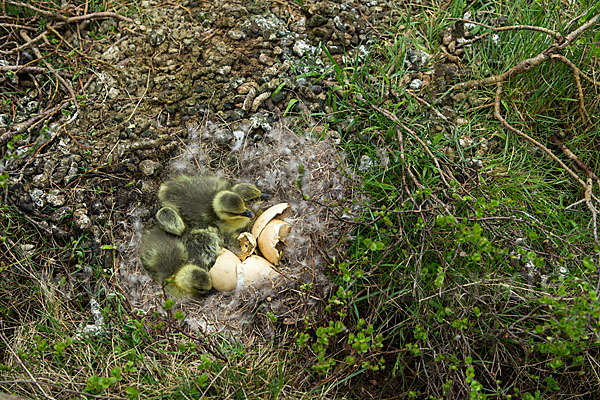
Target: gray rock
[366,163]
[316,20]
[55,199]
[60,214]
[81,219]
[416,84]
[148,167]
[236,34]
[156,37]
[265,59]
[278,97]
[301,82]
[301,47]
[37,197]
[415,59]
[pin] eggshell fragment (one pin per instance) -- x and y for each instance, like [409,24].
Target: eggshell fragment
[247,244]
[253,269]
[269,214]
[224,272]
[274,233]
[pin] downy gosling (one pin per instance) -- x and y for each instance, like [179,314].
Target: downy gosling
[203,246]
[165,256]
[203,201]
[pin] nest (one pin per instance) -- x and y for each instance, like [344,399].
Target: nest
[307,173]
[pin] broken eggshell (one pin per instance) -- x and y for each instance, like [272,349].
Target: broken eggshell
[247,244]
[269,214]
[271,236]
[224,272]
[254,268]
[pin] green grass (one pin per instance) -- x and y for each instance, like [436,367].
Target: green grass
[483,288]
[487,287]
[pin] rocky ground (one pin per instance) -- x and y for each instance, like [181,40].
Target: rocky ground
[204,86]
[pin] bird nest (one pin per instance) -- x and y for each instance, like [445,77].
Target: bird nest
[307,173]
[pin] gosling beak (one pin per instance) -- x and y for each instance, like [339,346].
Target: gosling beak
[248,214]
[265,196]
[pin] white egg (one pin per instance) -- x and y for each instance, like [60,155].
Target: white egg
[253,269]
[224,272]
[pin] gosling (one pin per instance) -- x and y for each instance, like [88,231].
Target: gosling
[204,201]
[166,259]
[203,246]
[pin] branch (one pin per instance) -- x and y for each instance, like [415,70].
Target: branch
[532,62]
[32,70]
[499,116]
[68,20]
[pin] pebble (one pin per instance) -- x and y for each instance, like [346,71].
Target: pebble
[224,70]
[259,100]
[278,97]
[156,37]
[301,47]
[81,219]
[148,167]
[60,214]
[416,59]
[366,163]
[55,199]
[265,59]
[236,34]
[37,197]
[416,84]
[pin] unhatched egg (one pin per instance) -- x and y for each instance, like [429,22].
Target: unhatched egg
[253,269]
[224,272]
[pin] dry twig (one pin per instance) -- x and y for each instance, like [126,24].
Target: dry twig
[532,62]
[68,20]
[552,52]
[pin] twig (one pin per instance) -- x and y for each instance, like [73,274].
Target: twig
[31,70]
[557,142]
[64,83]
[25,45]
[590,205]
[24,367]
[68,20]
[392,117]
[529,63]
[500,118]
[97,15]
[141,98]
[429,106]
[577,18]
[591,176]
[550,32]
[31,122]
[574,67]
[5,25]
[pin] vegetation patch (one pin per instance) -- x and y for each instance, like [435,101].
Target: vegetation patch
[470,265]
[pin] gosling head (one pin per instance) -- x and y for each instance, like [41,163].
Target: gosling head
[231,211]
[169,221]
[191,280]
[249,192]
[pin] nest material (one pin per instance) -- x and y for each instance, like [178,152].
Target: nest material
[307,173]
